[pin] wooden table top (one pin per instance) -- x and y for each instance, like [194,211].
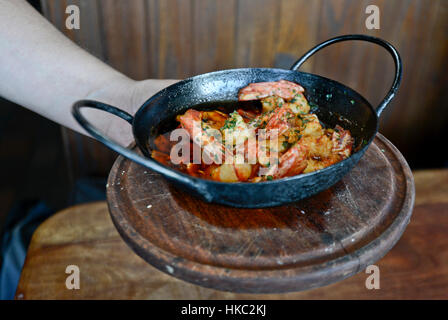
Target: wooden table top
[307,244]
[416,268]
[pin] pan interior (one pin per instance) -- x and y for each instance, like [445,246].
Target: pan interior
[333,102]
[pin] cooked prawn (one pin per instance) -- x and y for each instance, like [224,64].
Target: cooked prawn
[285,138]
[203,137]
[283,89]
[342,142]
[291,163]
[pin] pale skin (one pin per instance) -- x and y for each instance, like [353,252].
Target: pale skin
[45,72]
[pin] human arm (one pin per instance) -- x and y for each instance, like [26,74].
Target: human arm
[46,72]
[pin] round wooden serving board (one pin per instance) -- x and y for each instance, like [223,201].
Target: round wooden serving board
[307,244]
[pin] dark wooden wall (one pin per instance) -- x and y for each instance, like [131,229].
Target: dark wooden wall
[181,38]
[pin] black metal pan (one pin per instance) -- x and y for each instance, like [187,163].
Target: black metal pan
[334,104]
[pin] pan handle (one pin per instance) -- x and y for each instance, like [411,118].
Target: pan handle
[128,153]
[394,53]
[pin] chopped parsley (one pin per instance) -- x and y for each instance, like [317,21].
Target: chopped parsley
[313,107]
[231,122]
[305,121]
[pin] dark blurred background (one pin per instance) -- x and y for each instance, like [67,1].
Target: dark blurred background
[181,38]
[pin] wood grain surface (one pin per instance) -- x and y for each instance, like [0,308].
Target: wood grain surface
[416,268]
[177,39]
[307,244]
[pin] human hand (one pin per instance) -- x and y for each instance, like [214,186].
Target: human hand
[126,95]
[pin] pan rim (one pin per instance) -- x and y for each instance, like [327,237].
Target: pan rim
[198,181]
